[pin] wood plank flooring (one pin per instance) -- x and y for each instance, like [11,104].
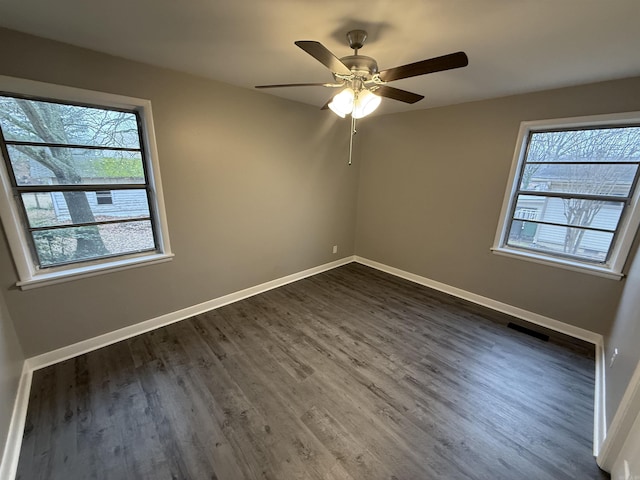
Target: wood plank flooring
[352,374]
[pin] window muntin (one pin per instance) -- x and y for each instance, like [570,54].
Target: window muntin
[135,150]
[573,195]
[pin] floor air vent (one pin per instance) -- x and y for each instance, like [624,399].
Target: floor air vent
[528,331]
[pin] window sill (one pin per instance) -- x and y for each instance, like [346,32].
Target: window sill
[67,275]
[559,263]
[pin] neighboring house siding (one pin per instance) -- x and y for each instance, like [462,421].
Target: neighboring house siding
[126,203]
[607,217]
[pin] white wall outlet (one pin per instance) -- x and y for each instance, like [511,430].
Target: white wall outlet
[335,249]
[613,357]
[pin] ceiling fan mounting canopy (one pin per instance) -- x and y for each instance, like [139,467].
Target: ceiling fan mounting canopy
[356,39]
[361,73]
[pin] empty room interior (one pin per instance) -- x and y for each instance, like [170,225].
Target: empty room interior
[410,253]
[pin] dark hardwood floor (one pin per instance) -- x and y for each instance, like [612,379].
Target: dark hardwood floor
[352,374]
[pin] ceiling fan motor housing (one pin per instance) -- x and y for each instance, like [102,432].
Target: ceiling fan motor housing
[361,65]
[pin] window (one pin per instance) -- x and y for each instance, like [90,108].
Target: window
[81,182]
[572,199]
[103,197]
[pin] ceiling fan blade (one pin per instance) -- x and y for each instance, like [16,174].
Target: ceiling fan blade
[324,56]
[397,94]
[299,85]
[437,64]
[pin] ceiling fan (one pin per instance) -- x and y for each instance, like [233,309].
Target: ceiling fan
[360,82]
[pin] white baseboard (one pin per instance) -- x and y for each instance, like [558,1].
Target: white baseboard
[11,454]
[625,416]
[599,401]
[70,351]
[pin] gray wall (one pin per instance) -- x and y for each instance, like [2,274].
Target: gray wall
[431,188]
[255,188]
[258,187]
[11,361]
[625,336]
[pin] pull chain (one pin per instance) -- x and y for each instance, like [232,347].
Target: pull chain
[353,132]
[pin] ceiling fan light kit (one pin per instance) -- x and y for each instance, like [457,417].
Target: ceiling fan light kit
[342,103]
[366,102]
[358,104]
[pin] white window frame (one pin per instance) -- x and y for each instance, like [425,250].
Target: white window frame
[30,276]
[629,223]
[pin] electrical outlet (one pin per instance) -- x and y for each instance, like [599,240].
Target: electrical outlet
[613,357]
[335,249]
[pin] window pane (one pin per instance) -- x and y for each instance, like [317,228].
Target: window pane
[47,209]
[569,211]
[591,145]
[584,178]
[46,122]
[72,166]
[586,244]
[73,244]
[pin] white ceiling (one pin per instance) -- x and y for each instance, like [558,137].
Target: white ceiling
[514,46]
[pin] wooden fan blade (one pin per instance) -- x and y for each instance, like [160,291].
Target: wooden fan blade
[397,94]
[324,56]
[437,64]
[296,85]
